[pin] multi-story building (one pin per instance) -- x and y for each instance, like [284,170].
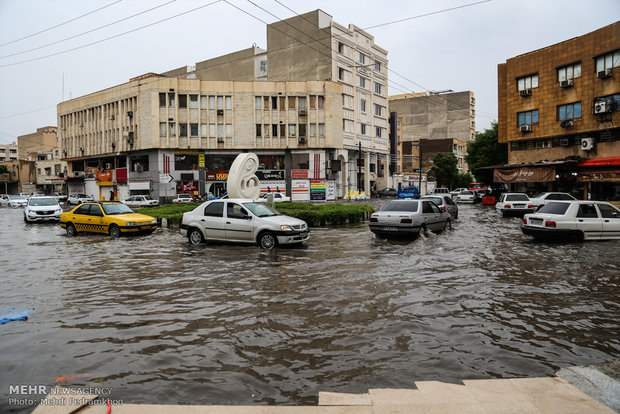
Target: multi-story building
[8,152]
[438,116]
[42,148]
[308,103]
[559,111]
[43,141]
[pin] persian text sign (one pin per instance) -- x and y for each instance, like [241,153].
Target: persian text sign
[524,175]
[317,190]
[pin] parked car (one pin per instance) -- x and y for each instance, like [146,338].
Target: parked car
[60,196]
[541,199]
[514,204]
[24,195]
[408,218]
[182,198]
[466,196]
[387,192]
[137,201]
[243,221]
[44,208]
[445,203]
[108,217]
[574,221]
[440,190]
[456,192]
[10,200]
[277,197]
[79,198]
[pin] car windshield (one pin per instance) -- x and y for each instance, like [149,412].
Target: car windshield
[554,208]
[80,195]
[538,195]
[15,197]
[47,201]
[401,206]
[466,192]
[111,209]
[261,209]
[148,197]
[517,197]
[436,200]
[183,196]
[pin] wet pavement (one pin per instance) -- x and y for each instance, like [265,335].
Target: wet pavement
[162,322]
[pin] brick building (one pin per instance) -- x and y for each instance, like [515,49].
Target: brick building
[559,111]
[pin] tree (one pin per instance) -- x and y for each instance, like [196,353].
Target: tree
[485,151]
[445,169]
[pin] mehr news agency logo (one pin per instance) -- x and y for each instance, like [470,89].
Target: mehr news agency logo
[38,394]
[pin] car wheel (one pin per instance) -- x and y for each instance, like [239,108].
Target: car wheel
[456,216]
[71,230]
[423,230]
[267,240]
[577,236]
[26,219]
[114,231]
[448,225]
[195,236]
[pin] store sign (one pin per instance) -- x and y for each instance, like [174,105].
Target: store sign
[300,190]
[524,175]
[318,190]
[610,176]
[299,174]
[270,174]
[214,175]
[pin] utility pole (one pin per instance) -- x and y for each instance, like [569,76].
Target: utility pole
[359,169]
[420,170]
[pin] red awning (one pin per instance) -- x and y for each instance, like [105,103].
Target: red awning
[601,162]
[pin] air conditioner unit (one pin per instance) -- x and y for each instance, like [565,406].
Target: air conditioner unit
[130,114]
[526,128]
[525,92]
[567,83]
[108,166]
[302,140]
[302,112]
[564,142]
[220,140]
[567,124]
[605,73]
[587,144]
[602,107]
[220,112]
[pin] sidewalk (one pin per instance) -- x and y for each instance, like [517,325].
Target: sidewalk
[517,395]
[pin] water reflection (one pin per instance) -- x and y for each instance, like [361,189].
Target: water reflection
[160,321]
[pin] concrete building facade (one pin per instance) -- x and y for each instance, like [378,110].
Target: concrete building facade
[559,111]
[435,116]
[9,152]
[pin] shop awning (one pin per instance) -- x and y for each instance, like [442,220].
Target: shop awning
[601,162]
[524,175]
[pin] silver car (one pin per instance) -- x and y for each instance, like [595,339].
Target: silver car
[445,203]
[79,198]
[42,209]
[409,218]
[10,200]
[242,221]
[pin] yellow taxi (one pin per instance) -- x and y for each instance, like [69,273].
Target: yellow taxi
[109,217]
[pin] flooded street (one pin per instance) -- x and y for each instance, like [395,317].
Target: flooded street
[163,322]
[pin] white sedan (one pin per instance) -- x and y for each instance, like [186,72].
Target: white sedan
[515,204]
[137,201]
[182,198]
[408,218]
[466,196]
[574,221]
[10,200]
[79,198]
[540,200]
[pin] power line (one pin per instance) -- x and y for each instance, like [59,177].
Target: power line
[88,31]
[27,112]
[111,37]
[60,24]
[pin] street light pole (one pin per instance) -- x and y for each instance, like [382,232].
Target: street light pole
[359,168]
[420,169]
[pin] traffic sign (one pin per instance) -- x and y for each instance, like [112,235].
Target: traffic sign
[165,178]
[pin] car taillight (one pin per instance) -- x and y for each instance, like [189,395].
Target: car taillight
[506,205]
[406,220]
[374,219]
[530,206]
[442,208]
[524,221]
[549,223]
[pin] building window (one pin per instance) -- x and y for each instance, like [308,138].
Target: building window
[363,105]
[362,58]
[162,99]
[259,130]
[291,102]
[182,101]
[220,102]
[302,130]
[569,111]
[193,101]
[203,130]
[378,132]
[528,117]
[172,129]
[341,47]
[312,101]
[203,102]
[569,72]
[182,130]
[340,74]
[378,88]
[282,103]
[321,102]
[274,130]
[211,102]
[212,130]
[292,130]
[377,110]
[228,102]
[283,130]
[363,129]
[193,129]
[301,102]
[527,82]
[313,130]
[258,102]
[377,65]
[162,129]
[171,99]
[362,82]
[321,130]
[608,61]
[274,103]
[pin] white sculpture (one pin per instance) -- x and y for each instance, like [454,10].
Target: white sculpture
[242,182]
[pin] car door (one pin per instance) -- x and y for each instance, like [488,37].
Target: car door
[589,221]
[213,221]
[96,220]
[451,207]
[431,215]
[611,221]
[239,223]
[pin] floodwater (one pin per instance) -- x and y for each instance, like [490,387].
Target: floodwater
[162,322]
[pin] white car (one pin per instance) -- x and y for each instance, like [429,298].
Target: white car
[455,193]
[242,221]
[440,190]
[10,200]
[60,196]
[79,198]
[42,209]
[574,221]
[466,196]
[137,201]
[409,218]
[540,200]
[182,198]
[277,197]
[514,204]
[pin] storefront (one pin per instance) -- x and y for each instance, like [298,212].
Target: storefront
[601,178]
[538,178]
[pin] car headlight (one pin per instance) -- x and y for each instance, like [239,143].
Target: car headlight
[154,221]
[131,223]
[286,228]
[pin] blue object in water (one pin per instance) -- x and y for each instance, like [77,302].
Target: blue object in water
[17,316]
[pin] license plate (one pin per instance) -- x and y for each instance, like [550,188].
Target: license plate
[519,205]
[536,221]
[389,228]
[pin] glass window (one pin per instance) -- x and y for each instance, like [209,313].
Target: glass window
[608,211]
[401,206]
[282,103]
[378,88]
[162,99]
[203,102]
[193,101]
[211,102]
[292,130]
[274,103]
[258,102]
[312,101]
[291,102]
[229,130]
[569,111]
[527,82]
[274,130]
[193,130]
[321,102]
[301,102]
[569,72]
[363,105]
[215,209]
[362,57]
[182,101]
[220,130]
[171,129]
[321,130]
[212,130]
[528,117]
[362,82]
[234,210]
[313,130]
[229,102]
[587,211]
[378,132]
[203,130]
[163,128]
[363,129]
[259,130]
[182,130]
[377,110]
[171,99]
[377,65]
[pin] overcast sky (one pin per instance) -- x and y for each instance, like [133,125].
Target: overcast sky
[456,49]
